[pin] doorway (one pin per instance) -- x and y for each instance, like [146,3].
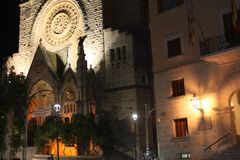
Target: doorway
[235,103]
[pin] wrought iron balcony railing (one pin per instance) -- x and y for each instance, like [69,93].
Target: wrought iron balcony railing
[214,44]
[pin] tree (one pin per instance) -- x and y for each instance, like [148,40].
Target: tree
[81,129]
[79,132]
[48,131]
[13,104]
[113,131]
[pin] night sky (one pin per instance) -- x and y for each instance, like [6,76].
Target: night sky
[9,27]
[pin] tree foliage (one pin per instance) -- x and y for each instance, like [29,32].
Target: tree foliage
[49,130]
[13,103]
[113,131]
[106,131]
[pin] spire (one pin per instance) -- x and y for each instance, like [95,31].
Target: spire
[81,76]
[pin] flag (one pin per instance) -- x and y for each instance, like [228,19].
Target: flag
[190,18]
[235,15]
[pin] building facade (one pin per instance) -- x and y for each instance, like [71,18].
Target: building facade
[195,50]
[89,56]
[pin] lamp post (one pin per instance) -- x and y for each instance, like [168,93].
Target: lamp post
[148,154]
[135,117]
[147,115]
[57,108]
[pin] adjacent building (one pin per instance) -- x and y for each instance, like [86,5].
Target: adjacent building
[195,50]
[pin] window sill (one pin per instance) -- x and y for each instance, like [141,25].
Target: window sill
[175,56]
[180,139]
[175,97]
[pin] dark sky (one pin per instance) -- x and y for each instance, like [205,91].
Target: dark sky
[9,27]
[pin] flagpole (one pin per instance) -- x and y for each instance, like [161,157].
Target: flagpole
[200,27]
[191,14]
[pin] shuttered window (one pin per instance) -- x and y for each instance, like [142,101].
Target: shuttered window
[178,88]
[181,127]
[174,47]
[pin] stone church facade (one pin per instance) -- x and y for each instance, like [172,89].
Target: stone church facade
[81,55]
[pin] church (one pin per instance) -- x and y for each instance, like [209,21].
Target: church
[89,56]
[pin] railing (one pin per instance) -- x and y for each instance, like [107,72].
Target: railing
[218,140]
[217,43]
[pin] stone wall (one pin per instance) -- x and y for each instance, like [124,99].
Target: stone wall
[31,17]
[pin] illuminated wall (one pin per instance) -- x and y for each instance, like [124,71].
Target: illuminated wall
[58,25]
[213,77]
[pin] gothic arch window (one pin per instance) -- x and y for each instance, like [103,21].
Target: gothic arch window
[69,102]
[42,99]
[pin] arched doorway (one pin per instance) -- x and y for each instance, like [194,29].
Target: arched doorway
[235,104]
[41,100]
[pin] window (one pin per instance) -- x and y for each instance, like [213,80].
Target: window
[231,35]
[174,47]
[118,54]
[178,88]
[124,55]
[164,5]
[112,55]
[69,108]
[124,52]
[181,127]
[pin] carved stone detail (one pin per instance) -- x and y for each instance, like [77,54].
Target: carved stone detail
[61,23]
[69,94]
[39,66]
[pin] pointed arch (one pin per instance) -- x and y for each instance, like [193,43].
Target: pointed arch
[41,100]
[69,105]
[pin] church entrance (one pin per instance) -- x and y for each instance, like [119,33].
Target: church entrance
[235,103]
[42,99]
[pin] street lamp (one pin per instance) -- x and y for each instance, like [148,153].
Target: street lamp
[148,112]
[135,117]
[57,108]
[195,101]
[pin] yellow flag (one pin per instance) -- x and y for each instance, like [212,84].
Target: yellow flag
[235,16]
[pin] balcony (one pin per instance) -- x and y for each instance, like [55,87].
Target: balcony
[218,43]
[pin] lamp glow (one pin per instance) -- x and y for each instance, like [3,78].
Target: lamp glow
[57,107]
[134,116]
[195,101]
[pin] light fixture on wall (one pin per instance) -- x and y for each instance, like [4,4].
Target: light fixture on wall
[195,101]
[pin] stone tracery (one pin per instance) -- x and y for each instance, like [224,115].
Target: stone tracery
[61,23]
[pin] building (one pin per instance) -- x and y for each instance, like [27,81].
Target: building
[195,50]
[88,55]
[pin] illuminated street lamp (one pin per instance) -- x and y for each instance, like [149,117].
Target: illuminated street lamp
[195,101]
[135,117]
[57,108]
